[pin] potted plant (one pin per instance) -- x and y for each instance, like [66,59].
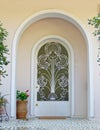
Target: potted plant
[3,102]
[3,62]
[21,104]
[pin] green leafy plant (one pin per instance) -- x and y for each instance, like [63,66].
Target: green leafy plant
[3,100]
[22,95]
[3,51]
[95,22]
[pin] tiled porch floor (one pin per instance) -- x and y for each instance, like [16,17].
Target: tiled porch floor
[40,124]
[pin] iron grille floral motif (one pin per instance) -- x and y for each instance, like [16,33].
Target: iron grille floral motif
[53,73]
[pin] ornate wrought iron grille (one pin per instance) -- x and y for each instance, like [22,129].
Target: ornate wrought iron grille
[53,72]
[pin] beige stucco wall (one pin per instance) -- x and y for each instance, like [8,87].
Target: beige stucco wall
[14,12]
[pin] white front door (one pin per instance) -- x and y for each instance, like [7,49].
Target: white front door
[52,92]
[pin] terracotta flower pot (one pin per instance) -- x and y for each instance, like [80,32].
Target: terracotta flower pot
[21,111]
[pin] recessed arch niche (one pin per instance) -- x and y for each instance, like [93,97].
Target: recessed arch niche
[54,18]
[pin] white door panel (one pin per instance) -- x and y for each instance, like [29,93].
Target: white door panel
[52,92]
[52,108]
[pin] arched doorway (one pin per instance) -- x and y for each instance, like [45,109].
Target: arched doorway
[77,24]
[53,84]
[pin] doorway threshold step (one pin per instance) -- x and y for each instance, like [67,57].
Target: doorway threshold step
[52,117]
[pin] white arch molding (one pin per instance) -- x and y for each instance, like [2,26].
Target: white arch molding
[88,41]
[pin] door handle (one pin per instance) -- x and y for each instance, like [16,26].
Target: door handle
[36,104]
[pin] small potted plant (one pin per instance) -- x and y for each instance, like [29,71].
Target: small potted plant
[4,51]
[21,104]
[3,102]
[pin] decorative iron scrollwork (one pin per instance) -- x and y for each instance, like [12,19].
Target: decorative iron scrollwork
[53,72]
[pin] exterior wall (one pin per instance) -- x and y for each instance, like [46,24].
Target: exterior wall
[14,12]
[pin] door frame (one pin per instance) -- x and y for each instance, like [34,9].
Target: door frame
[53,13]
[34,54]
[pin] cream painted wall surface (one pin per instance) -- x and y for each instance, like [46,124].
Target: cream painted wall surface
[14,12]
